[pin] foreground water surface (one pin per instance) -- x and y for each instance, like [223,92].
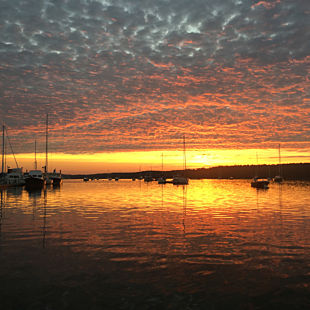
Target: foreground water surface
[214,244]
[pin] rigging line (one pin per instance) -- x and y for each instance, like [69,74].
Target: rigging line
[7,136]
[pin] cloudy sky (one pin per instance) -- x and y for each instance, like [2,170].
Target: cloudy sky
[135,75]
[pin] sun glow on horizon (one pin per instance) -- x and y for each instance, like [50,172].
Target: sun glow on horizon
[157,160]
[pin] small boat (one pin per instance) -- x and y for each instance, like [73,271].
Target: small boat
[35,180]
[56,178]
[162,180]
[48,180]
[14,176]
[85,179]
[178,180]
[148,179]
[181,180]
[260,183]
[278,179]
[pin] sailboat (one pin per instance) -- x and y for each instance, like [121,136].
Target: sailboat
[279,178]
[3,175]
[3,157]
[46,177]
[14,176]
[181,180]
[35,179]
[258,182]
[54,178]
[162,179]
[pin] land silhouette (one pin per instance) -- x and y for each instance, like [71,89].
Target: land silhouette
[294,171]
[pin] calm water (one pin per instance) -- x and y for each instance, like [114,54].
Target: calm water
[214,244]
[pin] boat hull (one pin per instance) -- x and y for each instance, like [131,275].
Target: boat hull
[260,184]
[34,183]
[180,181]
[162,181]
[56,181]
[278,179]
[148,179]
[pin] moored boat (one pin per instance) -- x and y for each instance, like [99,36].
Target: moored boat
[56,178]
[279,178]
[260,183]
[148,178]
[181,180]
[35,180]
[162,180]
[15,177]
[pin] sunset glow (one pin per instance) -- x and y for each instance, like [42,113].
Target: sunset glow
[152,160]
[123,81]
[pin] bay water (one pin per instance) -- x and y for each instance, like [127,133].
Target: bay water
[213,244]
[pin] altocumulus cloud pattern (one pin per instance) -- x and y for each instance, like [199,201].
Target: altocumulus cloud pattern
[135,75]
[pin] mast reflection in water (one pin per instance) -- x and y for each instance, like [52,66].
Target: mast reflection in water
[217,244]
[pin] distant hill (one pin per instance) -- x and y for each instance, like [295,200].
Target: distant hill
[299,171]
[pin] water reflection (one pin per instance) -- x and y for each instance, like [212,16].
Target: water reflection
[2,204]
[184,207]
[14,191]
[34,193]
[215,236]
[44,219]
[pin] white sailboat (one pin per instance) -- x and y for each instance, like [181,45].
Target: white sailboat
[258,182]
[279,178]
[181,180]
[14,176]
[54,178]
[162,179]
[46,177]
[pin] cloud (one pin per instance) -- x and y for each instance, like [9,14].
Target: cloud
[116,75]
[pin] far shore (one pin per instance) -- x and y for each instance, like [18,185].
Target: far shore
[294,171]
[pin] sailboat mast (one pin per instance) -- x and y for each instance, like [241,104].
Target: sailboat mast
[162,162]
[46,145]
[279,160]
[35,155]
[184,154]
[256,168]
[3,129]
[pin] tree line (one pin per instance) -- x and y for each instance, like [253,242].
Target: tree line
[298,171]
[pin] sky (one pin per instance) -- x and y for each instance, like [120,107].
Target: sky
[123,80]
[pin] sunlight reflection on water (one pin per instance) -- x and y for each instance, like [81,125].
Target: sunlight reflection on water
[220,236]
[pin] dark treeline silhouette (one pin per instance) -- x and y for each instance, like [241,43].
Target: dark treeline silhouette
[287,171]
